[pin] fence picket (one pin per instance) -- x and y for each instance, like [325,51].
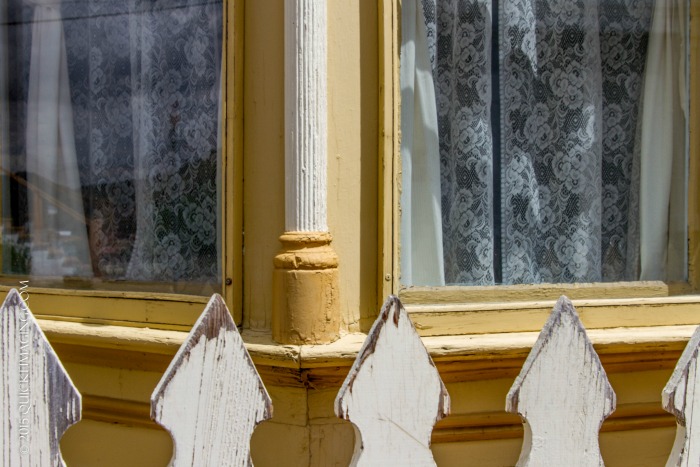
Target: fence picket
[39,399]
[562,394]
[393,394]
[681,397]
[211,396]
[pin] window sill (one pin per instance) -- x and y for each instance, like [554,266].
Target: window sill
[532,292]
[462,358]
[445,319]
[458,357]
[121,308]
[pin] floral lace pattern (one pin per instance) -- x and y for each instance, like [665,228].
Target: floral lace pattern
[176,78]
[569,89]
[624,28]
[461,68]
[100,78]
[145,87]
[551,145]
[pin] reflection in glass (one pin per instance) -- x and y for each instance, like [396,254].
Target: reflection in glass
[111,142]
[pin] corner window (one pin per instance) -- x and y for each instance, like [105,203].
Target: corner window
[543,142]
[111,143]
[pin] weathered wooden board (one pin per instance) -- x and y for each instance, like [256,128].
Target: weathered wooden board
[393,394]
[562,394]
[39,401]
[211,396]
[681,397]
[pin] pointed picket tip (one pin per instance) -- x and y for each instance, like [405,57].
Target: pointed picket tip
[39,399]
[562,393]
[211,397]
[393,394]
[680,397]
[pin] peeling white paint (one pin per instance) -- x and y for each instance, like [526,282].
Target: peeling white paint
[563,395]
[211,397]
[681,397]
[38,398]
[393,394]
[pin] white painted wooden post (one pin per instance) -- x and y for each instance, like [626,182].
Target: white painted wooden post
[305,95]
[39,400]
[211,396]
[679,397]
[562,394]
[393,394]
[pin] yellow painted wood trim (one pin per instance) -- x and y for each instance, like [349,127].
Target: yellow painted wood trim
[109,410]
[388,149]
[117,294]
[458,358]
[396,192]
[139,309]
[455,428]
[96,336]
[501,425]
[110,287]
[132,303]
[342,352]
[232,159]
[427,295]
[529,292]
[482,318]
[480,426]
[305,290]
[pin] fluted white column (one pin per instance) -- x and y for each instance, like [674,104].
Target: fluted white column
[305,303]
[305,115]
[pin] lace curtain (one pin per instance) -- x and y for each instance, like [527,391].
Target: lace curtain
[139,93]
[539,116]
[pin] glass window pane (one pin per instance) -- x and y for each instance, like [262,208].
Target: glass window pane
[543,141]
[111,157]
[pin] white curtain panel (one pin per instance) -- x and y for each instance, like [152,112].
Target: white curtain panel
[421,230]
[55,200]
[663,185]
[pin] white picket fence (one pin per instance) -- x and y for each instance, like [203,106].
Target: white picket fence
[562,394]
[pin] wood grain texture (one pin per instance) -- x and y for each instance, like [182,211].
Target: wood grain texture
[562,394]
[38,398]
[393,394]
[211,397]
[681,397]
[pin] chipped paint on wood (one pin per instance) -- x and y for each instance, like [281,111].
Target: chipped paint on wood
[562,394]
[39,400]
[211,397]
[681,397]
[393,394]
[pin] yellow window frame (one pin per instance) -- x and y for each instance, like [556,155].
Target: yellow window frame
[487,309]
[133,305]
